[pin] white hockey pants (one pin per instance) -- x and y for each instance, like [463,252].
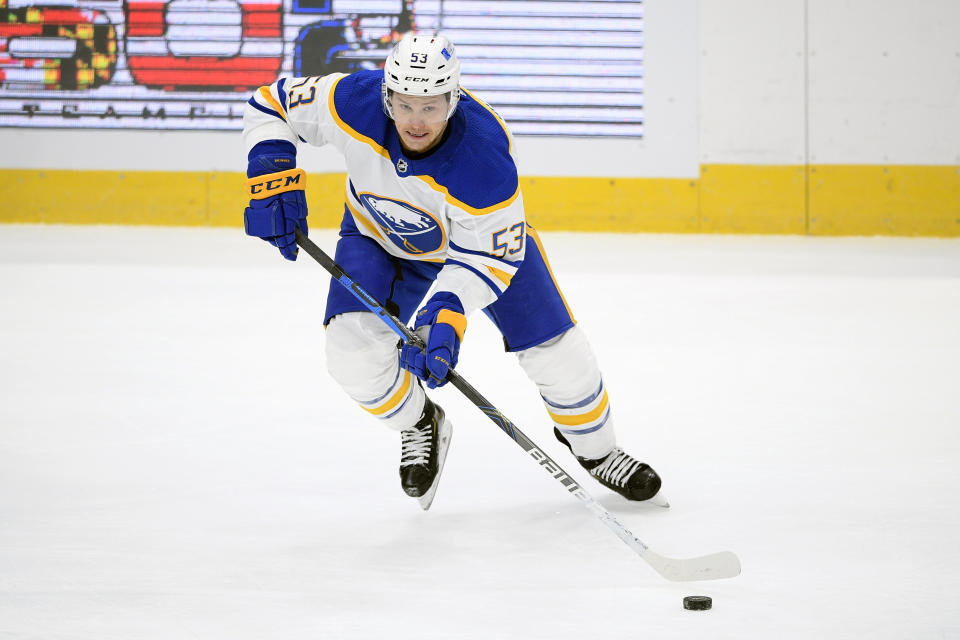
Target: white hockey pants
[362,357]
[566,373]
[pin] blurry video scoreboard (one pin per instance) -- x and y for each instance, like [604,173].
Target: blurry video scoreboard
[556,67]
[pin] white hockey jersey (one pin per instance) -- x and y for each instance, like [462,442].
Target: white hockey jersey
[459,205]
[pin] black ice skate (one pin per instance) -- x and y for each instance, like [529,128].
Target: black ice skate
[619,471]
[423,452]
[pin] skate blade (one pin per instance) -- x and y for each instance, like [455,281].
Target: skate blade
[446,431]
[658,500]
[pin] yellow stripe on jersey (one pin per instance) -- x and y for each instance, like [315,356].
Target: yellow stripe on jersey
[583,418]
[395,399]
[436,186]
[350,131]
[502,276]
[532,234]
[266,95]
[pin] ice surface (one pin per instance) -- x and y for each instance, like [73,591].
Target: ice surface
[176,463]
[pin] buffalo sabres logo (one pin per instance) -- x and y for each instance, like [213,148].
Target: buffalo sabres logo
[411,229]
[402,165]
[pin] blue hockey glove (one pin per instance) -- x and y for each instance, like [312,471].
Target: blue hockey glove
[441,324]
[277,203]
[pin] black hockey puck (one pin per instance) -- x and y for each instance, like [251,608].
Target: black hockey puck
[697,603]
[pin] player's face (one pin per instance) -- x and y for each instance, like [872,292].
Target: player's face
[420,120]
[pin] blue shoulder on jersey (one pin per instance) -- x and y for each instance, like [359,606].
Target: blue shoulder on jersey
[474,162]
[481,172]
[358,103]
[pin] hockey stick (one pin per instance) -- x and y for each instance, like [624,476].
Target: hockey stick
[710,567]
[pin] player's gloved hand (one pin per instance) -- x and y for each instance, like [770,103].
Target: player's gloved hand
[277,203]
[441,324]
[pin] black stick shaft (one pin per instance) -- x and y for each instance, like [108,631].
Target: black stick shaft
[409,337]
[720,565]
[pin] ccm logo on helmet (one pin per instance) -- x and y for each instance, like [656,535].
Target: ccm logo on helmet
[415,79]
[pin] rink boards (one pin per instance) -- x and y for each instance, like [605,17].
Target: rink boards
[817,200]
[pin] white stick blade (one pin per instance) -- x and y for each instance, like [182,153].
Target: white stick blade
[712,567]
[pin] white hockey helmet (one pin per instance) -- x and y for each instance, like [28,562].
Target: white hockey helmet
[422,65]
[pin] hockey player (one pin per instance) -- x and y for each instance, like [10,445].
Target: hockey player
[432,198]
